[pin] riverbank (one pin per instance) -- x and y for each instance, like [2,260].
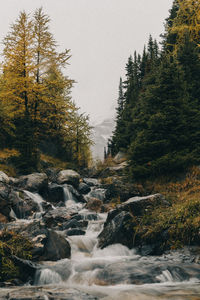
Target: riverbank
[92,244]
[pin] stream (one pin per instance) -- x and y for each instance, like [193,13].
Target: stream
[114,272]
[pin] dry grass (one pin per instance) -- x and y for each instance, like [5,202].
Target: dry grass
[182,218]
[8,153]
[5,156]
[54,162]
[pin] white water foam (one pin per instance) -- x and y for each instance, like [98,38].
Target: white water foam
[36,198]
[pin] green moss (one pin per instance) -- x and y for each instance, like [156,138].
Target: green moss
[177,225]
[181,222]
[12,244]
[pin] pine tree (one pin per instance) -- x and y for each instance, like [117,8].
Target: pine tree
[162,144]
[116,144]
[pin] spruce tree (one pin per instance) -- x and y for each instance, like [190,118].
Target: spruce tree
[116,142]
[160,144]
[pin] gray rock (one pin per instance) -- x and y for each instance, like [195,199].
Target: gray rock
[91,181]
[97,193]
[68,176]
[139,205]
[22,205]
[36,182]
[118,230]
[55,193]
[75,231]
[117,188]
[70,224]
[26,267]
[5,206]
[56,247]
[83,188]
[56,217]
[4,178]
[52,174]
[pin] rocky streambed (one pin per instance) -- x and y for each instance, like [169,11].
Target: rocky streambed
[83,249]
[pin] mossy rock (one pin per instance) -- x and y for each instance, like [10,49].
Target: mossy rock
[12,244]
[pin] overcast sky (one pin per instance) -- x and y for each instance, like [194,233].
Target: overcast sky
[101,35]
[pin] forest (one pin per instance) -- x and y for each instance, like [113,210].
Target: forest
[37,114]
[158,112]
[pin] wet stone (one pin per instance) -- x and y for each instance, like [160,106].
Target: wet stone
[75,231]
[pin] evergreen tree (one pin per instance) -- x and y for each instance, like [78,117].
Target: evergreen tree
[160,143]
[116,143]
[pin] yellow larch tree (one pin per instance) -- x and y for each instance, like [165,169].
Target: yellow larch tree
[186,22]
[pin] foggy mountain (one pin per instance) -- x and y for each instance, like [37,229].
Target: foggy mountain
[101,133]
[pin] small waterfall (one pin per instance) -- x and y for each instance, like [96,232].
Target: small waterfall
[36,198]
[70,200]
[47,276]
[12,214]
[68,194]
[166,276]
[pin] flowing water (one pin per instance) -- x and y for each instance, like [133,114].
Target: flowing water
[114,272]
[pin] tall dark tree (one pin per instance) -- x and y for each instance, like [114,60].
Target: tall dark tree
[116,142]
[160,143]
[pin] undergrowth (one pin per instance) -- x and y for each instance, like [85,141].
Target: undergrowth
[6,158]
[180,222]
[12,244]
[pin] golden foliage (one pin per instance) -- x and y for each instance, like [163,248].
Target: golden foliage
[187,21]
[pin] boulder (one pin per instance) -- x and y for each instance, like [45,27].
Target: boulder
[5,206]
[84,188]
[4,178]
[38,246]
[140,205]
[56,247]
[116,188]
[56,193]
[74,231]
[52,174]
[68,176]
[70,224]
[98,193]
[91,181]
[118,231]
[29,230]
[47,244]
[36,182]
[91,217]
[56,217]
[22,205]
[27,269]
